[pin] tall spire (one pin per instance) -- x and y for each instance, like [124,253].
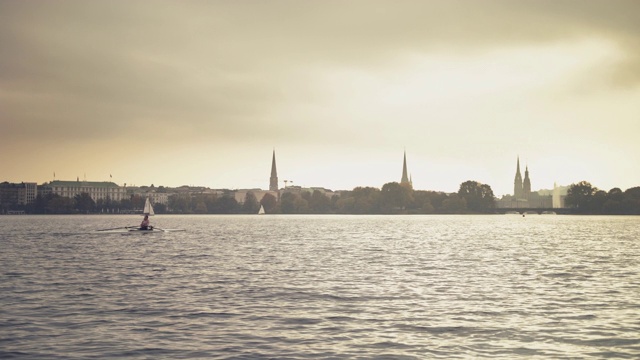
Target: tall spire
[517,183]
[526,185]
[273,181]
[405,177]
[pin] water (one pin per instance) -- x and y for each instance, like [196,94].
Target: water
[289,287]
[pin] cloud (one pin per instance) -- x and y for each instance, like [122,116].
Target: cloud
[305,72]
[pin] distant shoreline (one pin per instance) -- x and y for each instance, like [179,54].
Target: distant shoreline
[280,214]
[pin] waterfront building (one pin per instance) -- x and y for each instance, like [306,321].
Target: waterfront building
[97,190]
[14,197]
[13,194]
[154,197]
[157,195]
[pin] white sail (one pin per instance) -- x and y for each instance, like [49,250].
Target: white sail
[148,209]
[261,211]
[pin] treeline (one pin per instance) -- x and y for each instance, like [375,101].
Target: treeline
[392,198]
[584,198]
[84,204]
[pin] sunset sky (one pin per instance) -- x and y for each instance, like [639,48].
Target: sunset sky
[200,92]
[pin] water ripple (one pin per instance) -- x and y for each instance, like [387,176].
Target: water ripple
[291,287]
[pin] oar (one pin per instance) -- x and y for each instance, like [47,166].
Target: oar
[118,228]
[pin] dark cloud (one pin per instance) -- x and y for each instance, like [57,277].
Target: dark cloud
[213,69]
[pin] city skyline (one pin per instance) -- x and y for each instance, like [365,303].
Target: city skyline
[522,188]
[191,93]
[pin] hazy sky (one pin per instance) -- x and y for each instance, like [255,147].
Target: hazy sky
[200,92]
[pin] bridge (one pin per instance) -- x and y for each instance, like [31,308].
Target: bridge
[531,210]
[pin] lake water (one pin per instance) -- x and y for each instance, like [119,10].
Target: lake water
[289,287]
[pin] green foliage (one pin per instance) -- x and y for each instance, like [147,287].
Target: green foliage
[584,198]
[269,202]
[394,198]
[291,203]
[361,200]
[251,204]
[60,205]
[580,196]
[428,202]
[319,203]
[454,204]
[227,204]
[160,208]
[478,197]
[287,203]
[84,203]
[180,203]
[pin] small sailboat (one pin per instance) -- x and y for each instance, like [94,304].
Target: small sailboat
[148,209]
[261,211]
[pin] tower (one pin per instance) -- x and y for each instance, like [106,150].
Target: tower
[517,183]
[405,178]
[555,198]
[273,181]
[526,186]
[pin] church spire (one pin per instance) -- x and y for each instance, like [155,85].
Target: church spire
[405,177]
[273,181]
[517,183]
[526,185]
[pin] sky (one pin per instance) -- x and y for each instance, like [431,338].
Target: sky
[201,92]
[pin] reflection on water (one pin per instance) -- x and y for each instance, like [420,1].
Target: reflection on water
[321,287]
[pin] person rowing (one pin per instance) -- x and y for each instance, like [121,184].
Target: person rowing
[144,225]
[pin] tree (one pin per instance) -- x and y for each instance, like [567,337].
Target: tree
[287,203]
[291,203]
[580,195]
[228,204]
[160,208]
[319,203]
[454,204]
[360,200]
[200,207]
[60,205]
[137,202]
[613,203]
[422,203]
[210,202]
[269,202]
[125,204]
[84,203]
[41,205]
[631,202]
[251,204]
[394,197]
[597,202]
[344,205]
[301,205]
[615,194]
[180,203]
[479,197]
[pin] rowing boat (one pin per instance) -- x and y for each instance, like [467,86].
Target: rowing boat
[133,230]
[149,231]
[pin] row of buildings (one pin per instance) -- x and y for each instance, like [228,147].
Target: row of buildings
[524,198]
[16,195]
